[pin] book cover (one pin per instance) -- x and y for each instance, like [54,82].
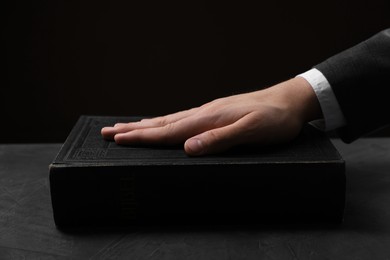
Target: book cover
[97,182]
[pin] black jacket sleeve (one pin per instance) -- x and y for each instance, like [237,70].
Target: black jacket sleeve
[360,79]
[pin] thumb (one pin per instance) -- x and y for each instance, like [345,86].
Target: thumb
[194,146]
[209,142]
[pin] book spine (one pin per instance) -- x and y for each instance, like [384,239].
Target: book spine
[204,194]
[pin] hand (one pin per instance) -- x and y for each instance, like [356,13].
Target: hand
[268,116]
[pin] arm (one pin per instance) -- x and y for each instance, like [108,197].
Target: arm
[359,77]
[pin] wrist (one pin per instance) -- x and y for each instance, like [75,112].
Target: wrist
[302,100]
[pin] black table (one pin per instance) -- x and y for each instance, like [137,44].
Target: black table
[27,230]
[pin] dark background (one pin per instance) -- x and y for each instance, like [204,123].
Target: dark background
[63,59]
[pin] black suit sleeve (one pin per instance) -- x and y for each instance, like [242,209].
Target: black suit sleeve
[360,79]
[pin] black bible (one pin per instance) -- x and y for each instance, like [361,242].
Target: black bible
[97,182]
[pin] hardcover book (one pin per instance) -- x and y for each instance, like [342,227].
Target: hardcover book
[97,182]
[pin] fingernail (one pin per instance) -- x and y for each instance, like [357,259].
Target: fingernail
[195,146]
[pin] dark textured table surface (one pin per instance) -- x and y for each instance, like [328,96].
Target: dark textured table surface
[27,230]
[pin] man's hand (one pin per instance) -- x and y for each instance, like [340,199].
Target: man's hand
[269,116]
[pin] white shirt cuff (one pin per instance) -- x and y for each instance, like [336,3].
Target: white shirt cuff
[333,116]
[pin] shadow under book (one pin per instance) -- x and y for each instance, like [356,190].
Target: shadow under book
[97,182]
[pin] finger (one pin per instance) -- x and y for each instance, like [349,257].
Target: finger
[156,136]
[223,138]
[110,131]
[168,119]
[210,142]
[172,133]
